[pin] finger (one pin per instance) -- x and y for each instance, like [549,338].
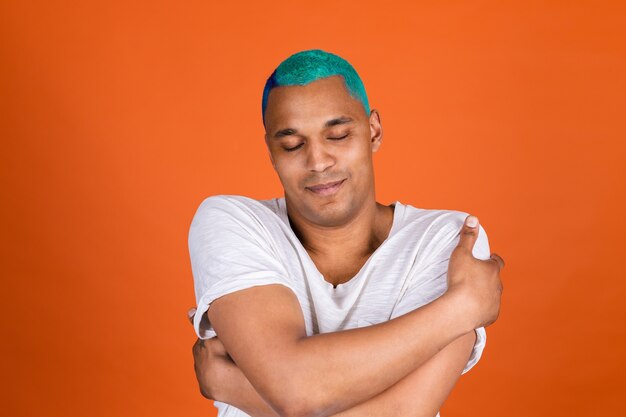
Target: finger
[469,233]
[498,260]
[191,313]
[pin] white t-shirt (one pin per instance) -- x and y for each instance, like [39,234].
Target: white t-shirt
[236,242]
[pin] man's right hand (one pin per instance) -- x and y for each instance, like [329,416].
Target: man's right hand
[211,363]
[477,282]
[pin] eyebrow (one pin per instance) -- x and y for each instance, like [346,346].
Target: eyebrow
[330,123]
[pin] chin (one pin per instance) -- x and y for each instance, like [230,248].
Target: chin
[332,213]
[328,212]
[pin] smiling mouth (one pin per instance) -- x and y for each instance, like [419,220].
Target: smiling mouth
[326,189]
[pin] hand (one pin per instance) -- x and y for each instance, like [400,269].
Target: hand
[476,281]
[210,361]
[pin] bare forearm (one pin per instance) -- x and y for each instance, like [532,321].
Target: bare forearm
[325,373]
[421,393]
[335,365]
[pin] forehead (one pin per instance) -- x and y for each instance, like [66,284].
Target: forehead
[311,103]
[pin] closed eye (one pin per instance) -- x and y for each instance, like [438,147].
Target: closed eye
[294,148]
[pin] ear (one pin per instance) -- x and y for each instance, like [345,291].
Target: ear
[376,130]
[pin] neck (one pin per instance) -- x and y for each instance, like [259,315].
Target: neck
[357,238]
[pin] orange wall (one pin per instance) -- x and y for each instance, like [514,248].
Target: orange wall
[118,118]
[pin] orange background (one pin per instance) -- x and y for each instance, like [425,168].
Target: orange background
[118,118]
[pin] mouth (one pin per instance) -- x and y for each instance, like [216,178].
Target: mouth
[326,189]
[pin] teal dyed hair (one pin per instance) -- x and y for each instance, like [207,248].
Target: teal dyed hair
[304,67]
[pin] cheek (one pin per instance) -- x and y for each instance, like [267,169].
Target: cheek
[288,172]
[359,157]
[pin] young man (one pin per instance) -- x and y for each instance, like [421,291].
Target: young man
[325,301]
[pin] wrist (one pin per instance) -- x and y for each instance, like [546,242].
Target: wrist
[462,308]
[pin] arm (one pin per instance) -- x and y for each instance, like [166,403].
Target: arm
[300,375]
[421,393]
[263,330]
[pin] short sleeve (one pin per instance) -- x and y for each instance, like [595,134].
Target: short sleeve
[230,250]
[430,275]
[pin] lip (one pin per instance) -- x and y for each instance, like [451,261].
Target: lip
[326,189]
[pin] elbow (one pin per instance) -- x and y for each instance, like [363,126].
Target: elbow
[295,398]
[292,390]
[293,410]
[293,404]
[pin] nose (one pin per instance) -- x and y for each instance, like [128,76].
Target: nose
[318,157]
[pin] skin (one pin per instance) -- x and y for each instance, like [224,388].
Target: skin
[340,231]
[317,134]
[421,393]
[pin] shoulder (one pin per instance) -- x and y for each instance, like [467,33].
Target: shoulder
[435,221]
[441,228]
[234,204]
[233,216]
[234,207]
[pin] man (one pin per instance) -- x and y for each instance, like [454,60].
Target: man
[325,301]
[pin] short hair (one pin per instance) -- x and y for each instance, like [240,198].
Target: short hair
[307,66]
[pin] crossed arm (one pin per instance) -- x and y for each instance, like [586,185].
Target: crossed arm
[359,371]
[421,393]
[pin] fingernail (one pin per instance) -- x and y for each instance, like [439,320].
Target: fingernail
[471,221]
